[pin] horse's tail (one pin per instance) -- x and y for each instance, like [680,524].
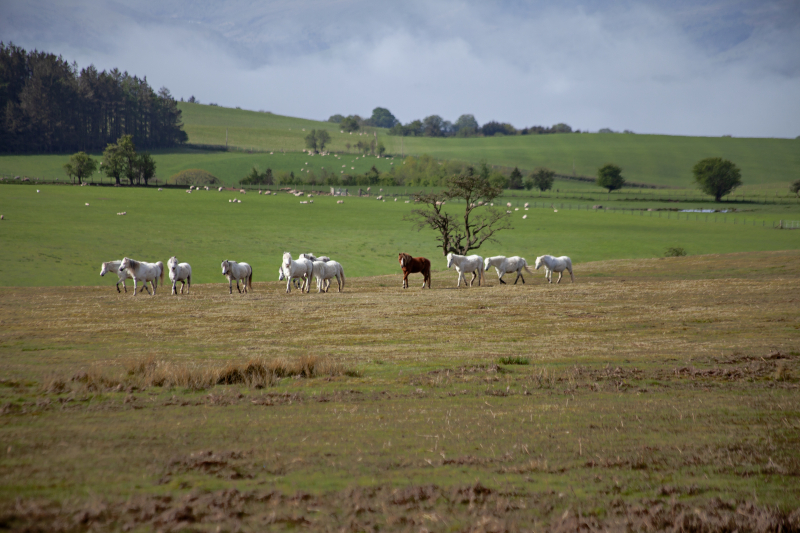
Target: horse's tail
[250,279]
[161,271]
[528,269]
[341,273]
[483,276]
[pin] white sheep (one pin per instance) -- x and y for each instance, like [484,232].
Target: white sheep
[220,189]
[339,201]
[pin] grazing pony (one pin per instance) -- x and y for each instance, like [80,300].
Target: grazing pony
[555,264]
[237,271]
[467,263]
[144,272]
[324,271]
[291,269]
[179,272]
[504,265]
[412,265]
[113,266]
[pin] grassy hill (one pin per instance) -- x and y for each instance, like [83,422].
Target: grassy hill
[657,159]
[251,135]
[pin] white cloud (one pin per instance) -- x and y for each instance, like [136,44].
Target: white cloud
[633,66]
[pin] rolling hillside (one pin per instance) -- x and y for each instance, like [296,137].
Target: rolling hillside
[657,159]
[251,136]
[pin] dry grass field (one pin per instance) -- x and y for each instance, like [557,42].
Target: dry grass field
[649,395]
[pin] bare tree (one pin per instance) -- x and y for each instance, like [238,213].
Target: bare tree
[479,223]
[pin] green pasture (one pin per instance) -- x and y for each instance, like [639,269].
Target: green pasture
[654,159]
[53,238]
[229,167]
[272,141]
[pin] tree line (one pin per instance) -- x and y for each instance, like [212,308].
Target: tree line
[49,105]
[436,126]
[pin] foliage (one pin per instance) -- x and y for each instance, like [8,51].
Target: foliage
[479,223]
[350,124]
[122,160]
[323,138]
[466,126]
[258,178]
[336,119]
[540,130]
[433,126]
[317,139]
[609,176]
[494,128]
[193,176]
[80,166]
[382,118]
[144,168]
[674,252]
[311,140]
[795,187]
[515,179]
[541,178]
[48,105]
[716,176]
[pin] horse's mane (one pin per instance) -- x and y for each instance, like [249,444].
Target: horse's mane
[133,263]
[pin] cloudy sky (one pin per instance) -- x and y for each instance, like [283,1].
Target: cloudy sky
[702,67]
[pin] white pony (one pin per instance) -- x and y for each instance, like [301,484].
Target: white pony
[324,271]
[291,269]
[503,265]
[467,263]
[179,272]
[312,258]
[237,271]
[294,281]
[555,264]
[145,272]
[113,266]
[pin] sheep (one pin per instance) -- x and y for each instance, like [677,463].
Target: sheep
[220,189]
[339,201]
[508,204]
[527,205]
[524,217]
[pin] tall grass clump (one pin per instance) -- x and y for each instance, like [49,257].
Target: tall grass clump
[255,373]
[514,360]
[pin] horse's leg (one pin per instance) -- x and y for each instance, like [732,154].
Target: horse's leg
[118,287]
[474,275]
[237,286]
[174,289]
[230,285]
[560,274]
[123,286]
[519,275]
[500,275]
[405,280]
[571,276]
[289,285]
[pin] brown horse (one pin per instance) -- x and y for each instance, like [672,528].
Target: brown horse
[412,265]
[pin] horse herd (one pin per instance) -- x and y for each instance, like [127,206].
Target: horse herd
[300,271]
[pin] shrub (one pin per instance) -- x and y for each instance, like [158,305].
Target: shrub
[675,252]
[194,176]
